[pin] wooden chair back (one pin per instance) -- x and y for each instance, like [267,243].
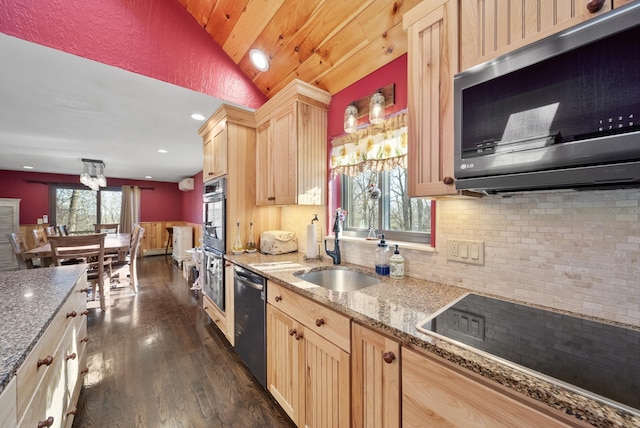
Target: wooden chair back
[87,247]
[39,237]
[51,231]
[63,231]
[19,245]
[106,228]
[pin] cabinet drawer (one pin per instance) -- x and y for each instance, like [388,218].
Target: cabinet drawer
[216,315]
[327,323]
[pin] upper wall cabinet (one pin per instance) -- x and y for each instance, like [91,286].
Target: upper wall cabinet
[432,54]
[291,155]
[491,28]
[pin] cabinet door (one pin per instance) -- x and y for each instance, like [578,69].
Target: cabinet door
[492,28]
[285,367]
[219,165]
[285,156]
[437,394]
[432,55]
[326,383]
[9,218]
[207,162]
[264,151]
[375,378]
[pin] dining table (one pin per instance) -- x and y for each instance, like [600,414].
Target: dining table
[113,243]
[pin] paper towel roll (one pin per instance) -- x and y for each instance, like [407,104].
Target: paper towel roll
[312,247]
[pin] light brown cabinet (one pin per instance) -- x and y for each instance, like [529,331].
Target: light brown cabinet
[436,393]
[308,367]
[375,379]
[223,319]
[432,62]
[215,155]
[491,28]
[291,155]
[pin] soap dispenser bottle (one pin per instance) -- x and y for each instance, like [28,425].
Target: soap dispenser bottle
[396,263]
[382,257]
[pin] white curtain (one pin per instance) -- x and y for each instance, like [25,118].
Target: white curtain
[130,208]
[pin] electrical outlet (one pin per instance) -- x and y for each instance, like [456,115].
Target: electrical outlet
[470,252]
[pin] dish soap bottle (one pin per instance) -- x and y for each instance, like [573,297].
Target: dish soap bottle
[396,263]
[251,243]
[238,246]
[382,257]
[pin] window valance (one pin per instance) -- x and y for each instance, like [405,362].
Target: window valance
[375,148]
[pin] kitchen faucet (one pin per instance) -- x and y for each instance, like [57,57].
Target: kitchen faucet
[337,228]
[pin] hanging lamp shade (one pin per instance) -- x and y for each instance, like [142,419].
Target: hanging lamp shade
[350,118]
[376,109]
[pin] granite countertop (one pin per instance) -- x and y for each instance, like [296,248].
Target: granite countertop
[29,300]
[396,306]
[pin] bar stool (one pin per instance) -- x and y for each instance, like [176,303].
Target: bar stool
[169,240]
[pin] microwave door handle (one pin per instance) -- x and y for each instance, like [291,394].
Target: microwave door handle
[250,284]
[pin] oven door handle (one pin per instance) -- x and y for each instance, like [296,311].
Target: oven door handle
[250,284]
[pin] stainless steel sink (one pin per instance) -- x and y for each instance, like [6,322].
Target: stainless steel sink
[338,279]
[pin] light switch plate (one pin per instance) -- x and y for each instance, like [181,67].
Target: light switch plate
[463,251]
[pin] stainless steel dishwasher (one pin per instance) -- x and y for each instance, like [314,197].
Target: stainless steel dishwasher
[250,321]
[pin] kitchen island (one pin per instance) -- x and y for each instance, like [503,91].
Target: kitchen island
[43,328]
[395,307]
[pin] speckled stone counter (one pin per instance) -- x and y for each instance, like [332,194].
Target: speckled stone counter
[395,307]
[29,299]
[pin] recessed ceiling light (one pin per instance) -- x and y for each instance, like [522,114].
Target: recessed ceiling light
[259,59]
[148,176]
[163,151]
[197,116]
[27,167]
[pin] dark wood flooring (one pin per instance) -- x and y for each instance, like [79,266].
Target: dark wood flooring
[156,360]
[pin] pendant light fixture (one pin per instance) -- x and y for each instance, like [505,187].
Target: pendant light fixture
[93,174]
[376,108]
[351,118]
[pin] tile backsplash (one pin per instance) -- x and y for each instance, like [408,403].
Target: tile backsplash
[577,251]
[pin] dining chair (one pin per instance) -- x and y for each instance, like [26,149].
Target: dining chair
[19,246]
[63,230]
[39,237]
[87,247]
[106,228]
[51,231]
[130,267]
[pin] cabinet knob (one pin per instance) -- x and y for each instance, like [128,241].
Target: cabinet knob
[595,5]
[84,313]
[70,357]
[292,332]
[320,322]
[72,314]
[45,361]
[271,198]
[73,411]
[47,423]
[278,298]
[84,290]
[299,336]
[84,340]
[448,180]
[388,357]
[84,371]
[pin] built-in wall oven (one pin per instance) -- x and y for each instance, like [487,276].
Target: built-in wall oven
[213,240]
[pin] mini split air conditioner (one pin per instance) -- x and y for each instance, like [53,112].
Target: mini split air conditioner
[186,185]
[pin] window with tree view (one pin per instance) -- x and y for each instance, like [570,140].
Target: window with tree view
[80,208]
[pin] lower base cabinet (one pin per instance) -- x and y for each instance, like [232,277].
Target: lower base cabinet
[436,393]
[308,375]
[375,379]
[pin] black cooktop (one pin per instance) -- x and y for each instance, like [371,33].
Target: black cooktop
[600,358]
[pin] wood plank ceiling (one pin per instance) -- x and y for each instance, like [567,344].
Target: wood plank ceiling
[327,43]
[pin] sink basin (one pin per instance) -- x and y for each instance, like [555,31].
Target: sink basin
[338,279]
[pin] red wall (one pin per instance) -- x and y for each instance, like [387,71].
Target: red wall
[192,202]
[155,38]
[162,203]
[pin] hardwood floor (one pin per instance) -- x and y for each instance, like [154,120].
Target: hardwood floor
[155,360]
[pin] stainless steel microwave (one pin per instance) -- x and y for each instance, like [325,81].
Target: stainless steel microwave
[563,112]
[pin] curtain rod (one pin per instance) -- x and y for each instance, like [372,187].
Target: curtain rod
[63,184]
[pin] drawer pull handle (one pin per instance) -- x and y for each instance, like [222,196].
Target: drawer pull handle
[299,336]
[84,340]
[278,298]
[595,5]
[85,312]
[388,357]
[71,357]
[319,322]
[84,371]
[448,180]
[72,314]
[47,423]
[45,361]
[84,290]
[292,332]
[73,411]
